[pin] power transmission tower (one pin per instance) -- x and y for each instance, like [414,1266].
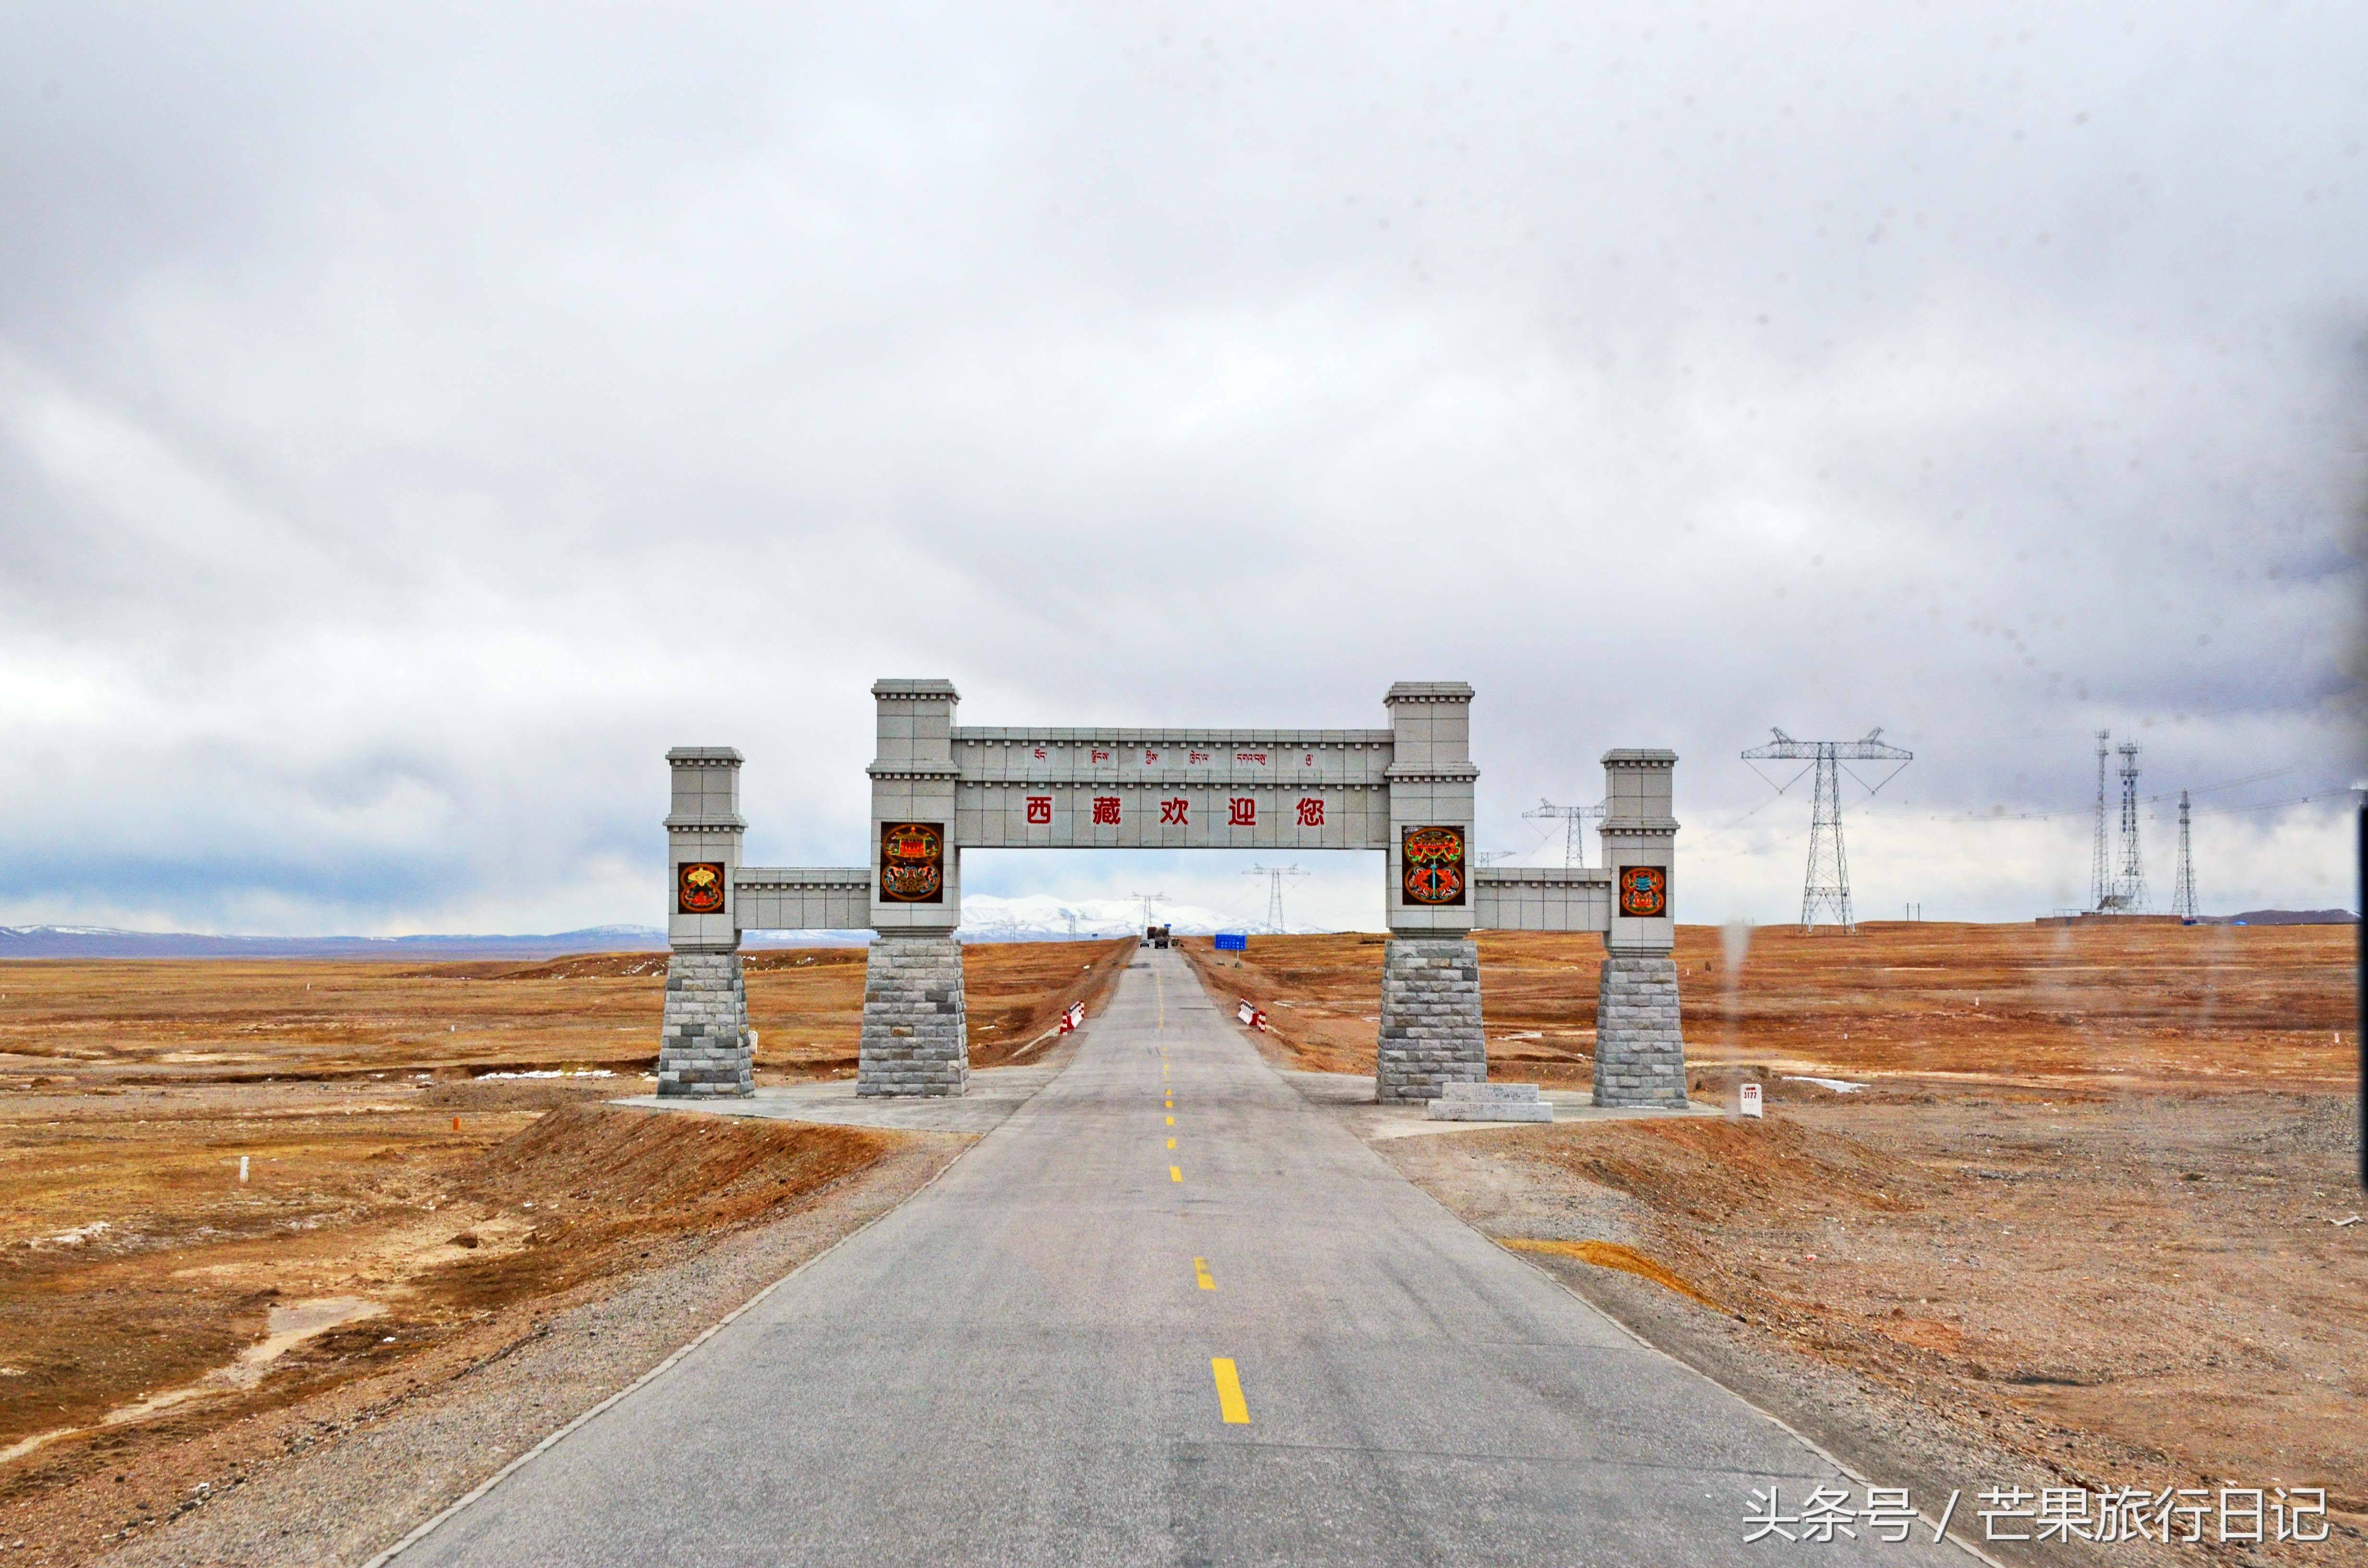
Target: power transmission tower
[2101,862]
[1276,876]
[2129,889]
[1147,897]
[1574,840]
[1827,884]
[2182,894]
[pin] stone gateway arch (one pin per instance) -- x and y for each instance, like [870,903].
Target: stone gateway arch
[939,788]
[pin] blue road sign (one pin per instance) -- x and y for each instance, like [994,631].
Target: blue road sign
[1233,941]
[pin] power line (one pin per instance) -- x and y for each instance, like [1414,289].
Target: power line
[1574,843]
[1276,876]
[1827,886]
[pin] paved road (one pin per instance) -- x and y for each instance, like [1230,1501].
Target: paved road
[1023,1365]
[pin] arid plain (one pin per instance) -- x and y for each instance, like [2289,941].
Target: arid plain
[414,1202]
[2078,1196]
[2071,1197]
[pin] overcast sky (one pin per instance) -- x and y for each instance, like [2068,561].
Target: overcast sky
[412,424]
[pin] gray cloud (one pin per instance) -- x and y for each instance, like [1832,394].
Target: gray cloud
[413,422]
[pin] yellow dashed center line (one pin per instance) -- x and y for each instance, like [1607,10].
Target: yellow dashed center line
[1171,1142]
[1200,1273]
[1171,1121]
[1175,1173]
[1230,1403]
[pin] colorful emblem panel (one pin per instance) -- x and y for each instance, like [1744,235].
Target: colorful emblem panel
[1431,871]
[699,887]
[1644,892]
[913,862]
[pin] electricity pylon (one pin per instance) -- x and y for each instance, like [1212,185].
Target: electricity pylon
[1827,884]
[2182,894]
[1574,840]
[1276,876]
[1148,899]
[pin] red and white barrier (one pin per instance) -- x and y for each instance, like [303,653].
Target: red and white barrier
[1253,1016]
[1075,1017]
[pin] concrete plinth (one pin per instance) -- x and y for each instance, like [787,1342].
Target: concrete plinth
[1430,1034]
[703,1046]
[1640,1048]
[1490,1102]
[916,1034]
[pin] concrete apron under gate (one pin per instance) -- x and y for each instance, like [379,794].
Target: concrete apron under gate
[995,1091]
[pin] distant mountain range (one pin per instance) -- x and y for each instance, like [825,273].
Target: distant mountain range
[2290,917]
[985,918]
[103,942]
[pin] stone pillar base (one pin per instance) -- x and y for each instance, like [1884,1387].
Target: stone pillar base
[1640,1050]
[916,1034]
[1430,1033]
[703,1047]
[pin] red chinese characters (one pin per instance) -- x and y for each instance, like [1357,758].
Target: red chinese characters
[1245,812]
[1174,812]
[1105,811]
[1311,811]
[1040,808]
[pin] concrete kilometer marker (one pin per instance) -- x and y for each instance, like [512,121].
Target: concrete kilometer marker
[1230,1403]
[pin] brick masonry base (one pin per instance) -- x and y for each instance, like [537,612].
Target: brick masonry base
[703,1044]
[1640,1050]
[915,1033]
[1430,1033]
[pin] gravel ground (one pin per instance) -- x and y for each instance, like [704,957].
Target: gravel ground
[352,1472]
[1885,1439]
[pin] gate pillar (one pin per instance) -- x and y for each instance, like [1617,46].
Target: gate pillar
[915,1029]
[1432,1033]
[703,1043]
[1640,1048]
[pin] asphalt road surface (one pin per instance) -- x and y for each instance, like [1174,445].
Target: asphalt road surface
[1108,1337]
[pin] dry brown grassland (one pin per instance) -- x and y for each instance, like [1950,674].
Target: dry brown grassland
[2086,1204]
[403,1202]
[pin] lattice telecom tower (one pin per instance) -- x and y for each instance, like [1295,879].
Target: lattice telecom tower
[2182,892]
[2117,874]
[1276,876]
[1574,840]
[2129,887]
[1828,885]
[2100,860]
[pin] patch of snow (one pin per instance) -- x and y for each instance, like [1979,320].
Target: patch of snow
[1839,1085]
